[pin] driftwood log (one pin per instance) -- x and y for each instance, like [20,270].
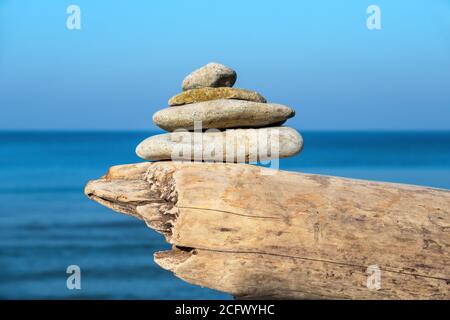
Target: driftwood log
[258,233]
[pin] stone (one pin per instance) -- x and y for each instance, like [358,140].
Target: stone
[222,114]
[232,145]
[211,75]
[206,94]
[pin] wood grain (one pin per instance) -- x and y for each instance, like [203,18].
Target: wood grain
[256,232]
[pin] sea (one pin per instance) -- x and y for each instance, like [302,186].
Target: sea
[47,224]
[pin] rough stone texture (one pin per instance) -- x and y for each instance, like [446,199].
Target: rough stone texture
[206,94]
[232,145]
[222,114]
[211,75]
[260,233]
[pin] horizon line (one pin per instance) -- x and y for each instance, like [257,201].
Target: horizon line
[163,131]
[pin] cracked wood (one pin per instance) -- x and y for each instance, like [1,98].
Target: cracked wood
[255,232]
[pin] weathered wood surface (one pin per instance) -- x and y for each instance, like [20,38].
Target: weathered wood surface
[255,232]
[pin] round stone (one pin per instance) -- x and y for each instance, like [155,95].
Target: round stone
[222,114]
[232,145]
[211,75]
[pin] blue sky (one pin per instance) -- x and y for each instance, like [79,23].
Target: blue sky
[319,57]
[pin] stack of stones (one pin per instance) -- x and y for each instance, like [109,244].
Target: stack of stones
[211,121]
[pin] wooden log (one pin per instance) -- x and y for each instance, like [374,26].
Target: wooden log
[259,233]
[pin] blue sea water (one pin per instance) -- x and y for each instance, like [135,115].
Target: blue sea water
[47,224]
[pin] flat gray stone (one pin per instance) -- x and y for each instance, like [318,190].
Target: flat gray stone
[211,75]
[222,114]
[232,145]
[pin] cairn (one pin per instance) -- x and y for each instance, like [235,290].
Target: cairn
[211,121]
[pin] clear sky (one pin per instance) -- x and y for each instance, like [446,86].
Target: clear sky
[317,56]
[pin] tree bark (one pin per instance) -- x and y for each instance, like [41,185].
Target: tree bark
[260,233]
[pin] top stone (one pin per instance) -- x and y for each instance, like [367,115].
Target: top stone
[211,75]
